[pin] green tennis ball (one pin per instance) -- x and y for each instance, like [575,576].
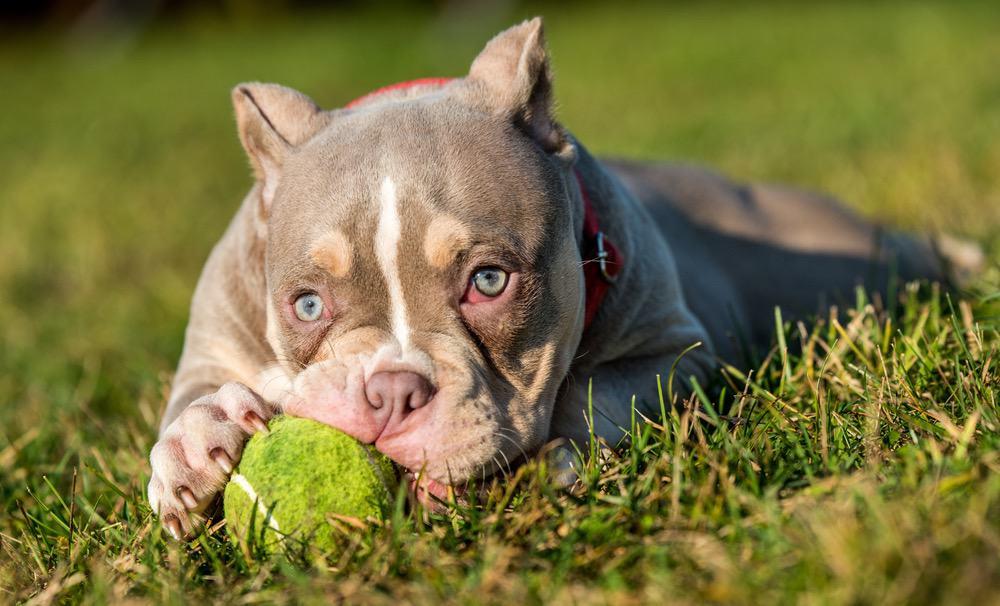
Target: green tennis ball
[306,481]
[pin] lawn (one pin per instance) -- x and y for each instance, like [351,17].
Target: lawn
[860,465]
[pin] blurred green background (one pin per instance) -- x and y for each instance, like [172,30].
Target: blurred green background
[120,166]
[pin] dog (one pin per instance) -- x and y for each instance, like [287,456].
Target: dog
[442,270]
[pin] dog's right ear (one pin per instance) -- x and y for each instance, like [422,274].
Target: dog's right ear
[272,120]
[512,77]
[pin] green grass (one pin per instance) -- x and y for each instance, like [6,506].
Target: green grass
[863,469]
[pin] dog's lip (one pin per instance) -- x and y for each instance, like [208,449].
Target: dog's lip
[428,490]
[432,493]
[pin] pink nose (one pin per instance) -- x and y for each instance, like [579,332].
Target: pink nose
[398,390]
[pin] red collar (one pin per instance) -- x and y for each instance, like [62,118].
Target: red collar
[399,86]
[602,261]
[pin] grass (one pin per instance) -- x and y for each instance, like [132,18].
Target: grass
[861,466]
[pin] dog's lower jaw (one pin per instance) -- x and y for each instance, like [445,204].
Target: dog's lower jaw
[437,496]
[431,494]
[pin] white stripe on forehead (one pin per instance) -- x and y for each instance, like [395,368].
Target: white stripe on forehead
[387,249]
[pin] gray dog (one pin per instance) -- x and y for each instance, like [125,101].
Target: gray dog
[440,268]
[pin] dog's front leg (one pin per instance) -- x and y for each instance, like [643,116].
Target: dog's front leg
[196,452]
[215,407]
[215,402]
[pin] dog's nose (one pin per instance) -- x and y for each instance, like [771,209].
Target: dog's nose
[399,390]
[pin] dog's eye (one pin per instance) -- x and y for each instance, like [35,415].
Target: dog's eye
[490,281]
[309,307]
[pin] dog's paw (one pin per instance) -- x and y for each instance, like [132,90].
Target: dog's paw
[196,453]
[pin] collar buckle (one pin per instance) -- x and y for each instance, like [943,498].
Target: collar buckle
[603,258]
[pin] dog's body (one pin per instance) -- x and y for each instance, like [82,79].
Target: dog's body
[743,250]
[409,271]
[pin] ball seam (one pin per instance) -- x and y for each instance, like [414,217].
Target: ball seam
[244,484]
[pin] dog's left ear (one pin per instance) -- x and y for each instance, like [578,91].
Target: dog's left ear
[272,120]
[511,76]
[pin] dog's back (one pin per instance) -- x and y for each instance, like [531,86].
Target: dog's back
[742,250]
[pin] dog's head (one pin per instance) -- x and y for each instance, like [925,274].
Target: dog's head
[422,263]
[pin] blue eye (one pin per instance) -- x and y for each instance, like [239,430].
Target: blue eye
[490,281]
[309,307]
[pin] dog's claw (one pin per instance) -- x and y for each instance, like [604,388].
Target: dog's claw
[257,422]
[173,526]
[187,497]
[222,460]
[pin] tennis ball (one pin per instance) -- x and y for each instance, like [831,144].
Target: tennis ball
[302,480]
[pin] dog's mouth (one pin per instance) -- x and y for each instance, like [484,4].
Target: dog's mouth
[431,492]
[437,495]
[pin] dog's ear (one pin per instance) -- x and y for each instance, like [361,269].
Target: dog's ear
[272,120]
[511,76]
